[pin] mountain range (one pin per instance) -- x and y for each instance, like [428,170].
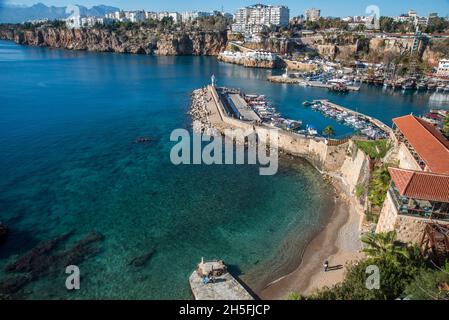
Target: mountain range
[18,14]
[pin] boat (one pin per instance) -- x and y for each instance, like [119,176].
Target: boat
[291,125]
[409,85]
[431,86]
[311,130]
[307,103]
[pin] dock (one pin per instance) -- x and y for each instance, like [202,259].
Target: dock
[372,120]
[305,83]
[211,281]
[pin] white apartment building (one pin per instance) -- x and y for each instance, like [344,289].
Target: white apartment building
[123,16]
[151,15]
[73,22]
[135,16]
[312,14]
[443,68]
[174,15]
[412,16]
[255,18]
[192,15]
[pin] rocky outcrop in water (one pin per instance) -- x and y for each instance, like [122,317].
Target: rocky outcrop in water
[142,260]
[41,261]
[3,233]
[137,41]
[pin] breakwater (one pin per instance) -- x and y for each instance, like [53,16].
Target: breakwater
[327,155]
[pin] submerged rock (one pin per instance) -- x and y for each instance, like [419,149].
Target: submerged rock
[80,251]
[141,261]
[41,261]
[38,258]
[13,284]
[3,233]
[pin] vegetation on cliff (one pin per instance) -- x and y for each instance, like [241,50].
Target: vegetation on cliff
[146,38]
[403,273]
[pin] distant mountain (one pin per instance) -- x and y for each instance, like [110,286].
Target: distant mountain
[18,14]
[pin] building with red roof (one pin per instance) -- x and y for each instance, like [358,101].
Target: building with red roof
[422,146]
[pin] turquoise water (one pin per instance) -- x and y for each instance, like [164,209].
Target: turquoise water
[68,121]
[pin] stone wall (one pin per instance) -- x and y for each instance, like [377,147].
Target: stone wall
[409,229]
[388,216]
[406,160]
[355,168]
[340,159]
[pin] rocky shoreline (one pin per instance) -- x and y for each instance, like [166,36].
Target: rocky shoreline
[252,63]
[136,41]
[199,111]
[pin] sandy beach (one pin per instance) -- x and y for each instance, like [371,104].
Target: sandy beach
[339,243]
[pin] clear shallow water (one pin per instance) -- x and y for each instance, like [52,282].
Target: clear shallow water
[68,121]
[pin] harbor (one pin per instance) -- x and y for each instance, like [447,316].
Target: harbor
[362,124]
[337,86]
[212,281]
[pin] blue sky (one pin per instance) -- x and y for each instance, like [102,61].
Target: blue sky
[328,7]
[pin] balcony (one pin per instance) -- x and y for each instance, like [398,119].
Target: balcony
[419,208]
[400,137]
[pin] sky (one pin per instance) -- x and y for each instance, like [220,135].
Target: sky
[328,7]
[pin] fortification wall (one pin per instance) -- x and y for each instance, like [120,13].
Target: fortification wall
[355,168]
[388,216]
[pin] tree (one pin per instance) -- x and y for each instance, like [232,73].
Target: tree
[393,281]
[383,246]
[398,265]
[446,125]
[329,131]
[430,285]
[378,185]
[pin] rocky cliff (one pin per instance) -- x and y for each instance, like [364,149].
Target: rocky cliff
[139,41]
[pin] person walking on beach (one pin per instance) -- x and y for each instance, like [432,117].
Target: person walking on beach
[326,266]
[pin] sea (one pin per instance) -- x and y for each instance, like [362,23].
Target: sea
[71,168]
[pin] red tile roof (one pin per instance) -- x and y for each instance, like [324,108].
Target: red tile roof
[421,185]
[427,141]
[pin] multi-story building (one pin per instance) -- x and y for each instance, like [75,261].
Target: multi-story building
[313,14]
[192,15]
[419,191]
[135,16]
[256,18]
[73,22]
[151,15]
[174,15]
[443,68]
[421,146]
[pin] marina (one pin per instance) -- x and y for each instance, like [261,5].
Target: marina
[364,125]
[337,86]
[255,109]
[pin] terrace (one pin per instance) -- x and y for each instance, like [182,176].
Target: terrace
[420,194]
[402,139]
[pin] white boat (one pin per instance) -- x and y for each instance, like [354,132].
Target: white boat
[312,131]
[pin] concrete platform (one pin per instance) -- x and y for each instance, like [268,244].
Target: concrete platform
[225,287]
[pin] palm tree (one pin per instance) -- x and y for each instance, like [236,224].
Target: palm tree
[383,246]
[328,131]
